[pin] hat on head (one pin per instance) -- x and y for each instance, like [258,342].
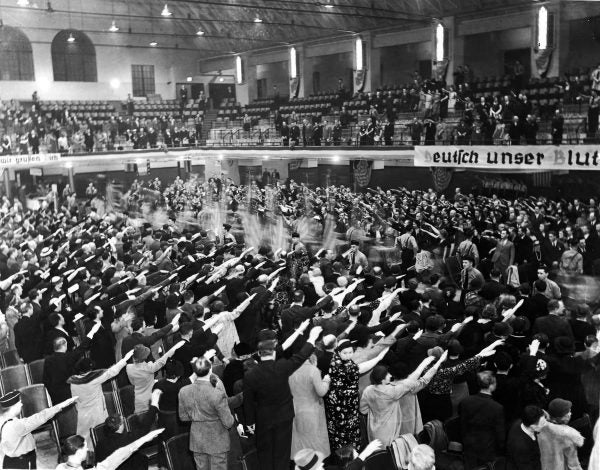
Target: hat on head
[308,459]
[9,399]
[468,258]
[140,352]
[295,235]
[502,329]
[266,334]
[559,407]
[227,226]
[390,282]
[354,243]
[47,251]
[435,352]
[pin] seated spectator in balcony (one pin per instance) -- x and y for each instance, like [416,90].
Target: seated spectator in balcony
[514,131]
[285,134]
[558,123]
[416,129]
[336,133]
[530,129]
[63,143]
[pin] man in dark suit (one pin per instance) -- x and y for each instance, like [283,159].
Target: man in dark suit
[268,401]
[552,249]
[28,334]
[507,387]
[137,337]
[187,352]
[58,367]
[580,326]
[296,313]
[522,448]
[102,350]
[553,324]
[493,288]
[57,330]
[482,424]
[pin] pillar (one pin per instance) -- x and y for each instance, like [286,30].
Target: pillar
[372,63]
[456,48]
[71,173]
[305,71]
[7,187]
[246,91]
[554,38]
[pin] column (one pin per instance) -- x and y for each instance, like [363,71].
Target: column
[456,47]
[71,173]
[372,63]
[305,72]
[7,187]
[246,92]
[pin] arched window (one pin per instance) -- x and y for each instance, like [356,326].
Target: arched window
[73,57]
[16,57]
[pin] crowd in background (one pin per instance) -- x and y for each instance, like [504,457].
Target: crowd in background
[385,319]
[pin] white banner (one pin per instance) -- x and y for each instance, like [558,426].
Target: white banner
[7,161]
[515,157]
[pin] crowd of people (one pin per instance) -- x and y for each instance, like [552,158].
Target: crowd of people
[32,131]
[383,319]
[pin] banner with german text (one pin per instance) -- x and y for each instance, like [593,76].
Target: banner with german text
[514,157]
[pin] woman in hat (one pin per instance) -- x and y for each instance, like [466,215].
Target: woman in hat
[141,373]
[310,425]
[391,405]
[87,384]
[435,399]
[75,452]
[343,400]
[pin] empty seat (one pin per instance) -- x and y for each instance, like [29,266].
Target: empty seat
[177,452]
[36,371]
[127,399]
[141,424]
[14,378]
[380,460]
[35,398]
[10,358]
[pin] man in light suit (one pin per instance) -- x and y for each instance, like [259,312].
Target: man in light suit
[504,253]
[356,257]
[204,403]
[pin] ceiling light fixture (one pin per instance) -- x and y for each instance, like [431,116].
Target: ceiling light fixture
[71,38]
[165,11]
[257,20]
[200,33]
[113,27]
[154,44]
[23,3]
[329,5]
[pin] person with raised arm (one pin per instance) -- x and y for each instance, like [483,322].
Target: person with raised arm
[16,440]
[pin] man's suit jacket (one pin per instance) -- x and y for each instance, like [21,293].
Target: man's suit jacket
[504,255]
[28,338]
[292,316]
[185,354]
[267,396]
[102,349]
[360,259]
[551,253]
[135,338]
[553,326]
[206,407]
[482,426]
[53,334]
[58,368]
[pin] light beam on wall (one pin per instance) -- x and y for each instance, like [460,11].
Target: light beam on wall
[165,11]
[113,27]
[238,70]
[543,28]
[293,63]
[439,42]
[359,54]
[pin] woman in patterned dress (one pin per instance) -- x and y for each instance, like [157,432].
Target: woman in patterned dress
[343,400]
